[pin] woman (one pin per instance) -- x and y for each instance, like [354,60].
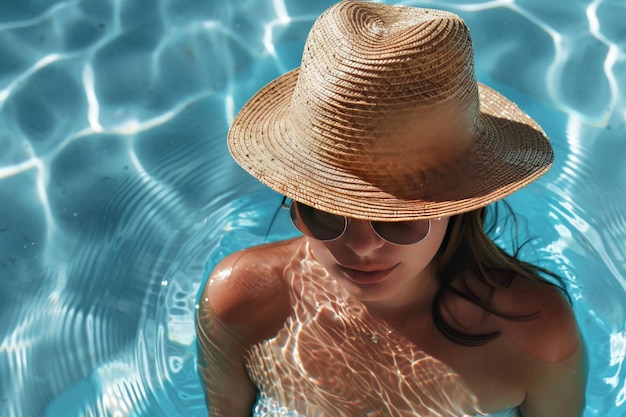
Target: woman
[395,301]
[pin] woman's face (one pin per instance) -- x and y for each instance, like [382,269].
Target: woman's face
[374,270]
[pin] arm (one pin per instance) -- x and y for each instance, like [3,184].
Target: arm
[243,302]
[559,389]
[558,374]
[222,348]
[228,390]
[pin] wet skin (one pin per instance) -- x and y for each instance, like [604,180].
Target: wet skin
[536,365]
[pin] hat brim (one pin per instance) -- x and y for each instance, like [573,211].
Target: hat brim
[510,152]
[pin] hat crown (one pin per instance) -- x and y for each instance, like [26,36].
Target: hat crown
[367,71]
[365,62]
[383,120]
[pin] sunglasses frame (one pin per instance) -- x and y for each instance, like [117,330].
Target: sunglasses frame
[290,204]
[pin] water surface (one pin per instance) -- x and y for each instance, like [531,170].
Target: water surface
[117,191]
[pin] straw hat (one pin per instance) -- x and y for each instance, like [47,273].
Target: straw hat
[384,120]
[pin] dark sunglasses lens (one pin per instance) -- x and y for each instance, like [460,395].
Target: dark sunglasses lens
[402,233]
[315,223]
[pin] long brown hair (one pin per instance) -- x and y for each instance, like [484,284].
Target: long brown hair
[469,249]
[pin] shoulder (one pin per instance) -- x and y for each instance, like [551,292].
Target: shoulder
[546,328]
[248,287]
[553,351]
[533,315]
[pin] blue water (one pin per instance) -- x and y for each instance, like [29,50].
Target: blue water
[117,191]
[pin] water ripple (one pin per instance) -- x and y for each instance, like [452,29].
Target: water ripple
[118,191]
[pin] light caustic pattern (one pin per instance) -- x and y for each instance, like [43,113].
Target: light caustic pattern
[116,185]
[333,358]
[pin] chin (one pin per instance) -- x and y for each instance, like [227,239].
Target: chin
[378,292]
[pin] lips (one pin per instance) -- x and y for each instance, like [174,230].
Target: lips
[368,274]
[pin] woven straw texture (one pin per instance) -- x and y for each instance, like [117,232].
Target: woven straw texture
[384,120]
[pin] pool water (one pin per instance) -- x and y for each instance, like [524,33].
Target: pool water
[117,192]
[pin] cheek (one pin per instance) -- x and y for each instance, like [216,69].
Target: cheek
[438,231]
[323,252]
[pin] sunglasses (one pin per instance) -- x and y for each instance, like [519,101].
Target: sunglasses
[325,226]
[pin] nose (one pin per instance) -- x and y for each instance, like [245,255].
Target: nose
[361,238]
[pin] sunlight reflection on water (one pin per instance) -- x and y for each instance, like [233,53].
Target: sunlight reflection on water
[116,185]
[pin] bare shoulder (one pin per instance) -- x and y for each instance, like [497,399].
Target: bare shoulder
[554,354]
[546,328]
[248,287]
[551,349]
[533,315]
